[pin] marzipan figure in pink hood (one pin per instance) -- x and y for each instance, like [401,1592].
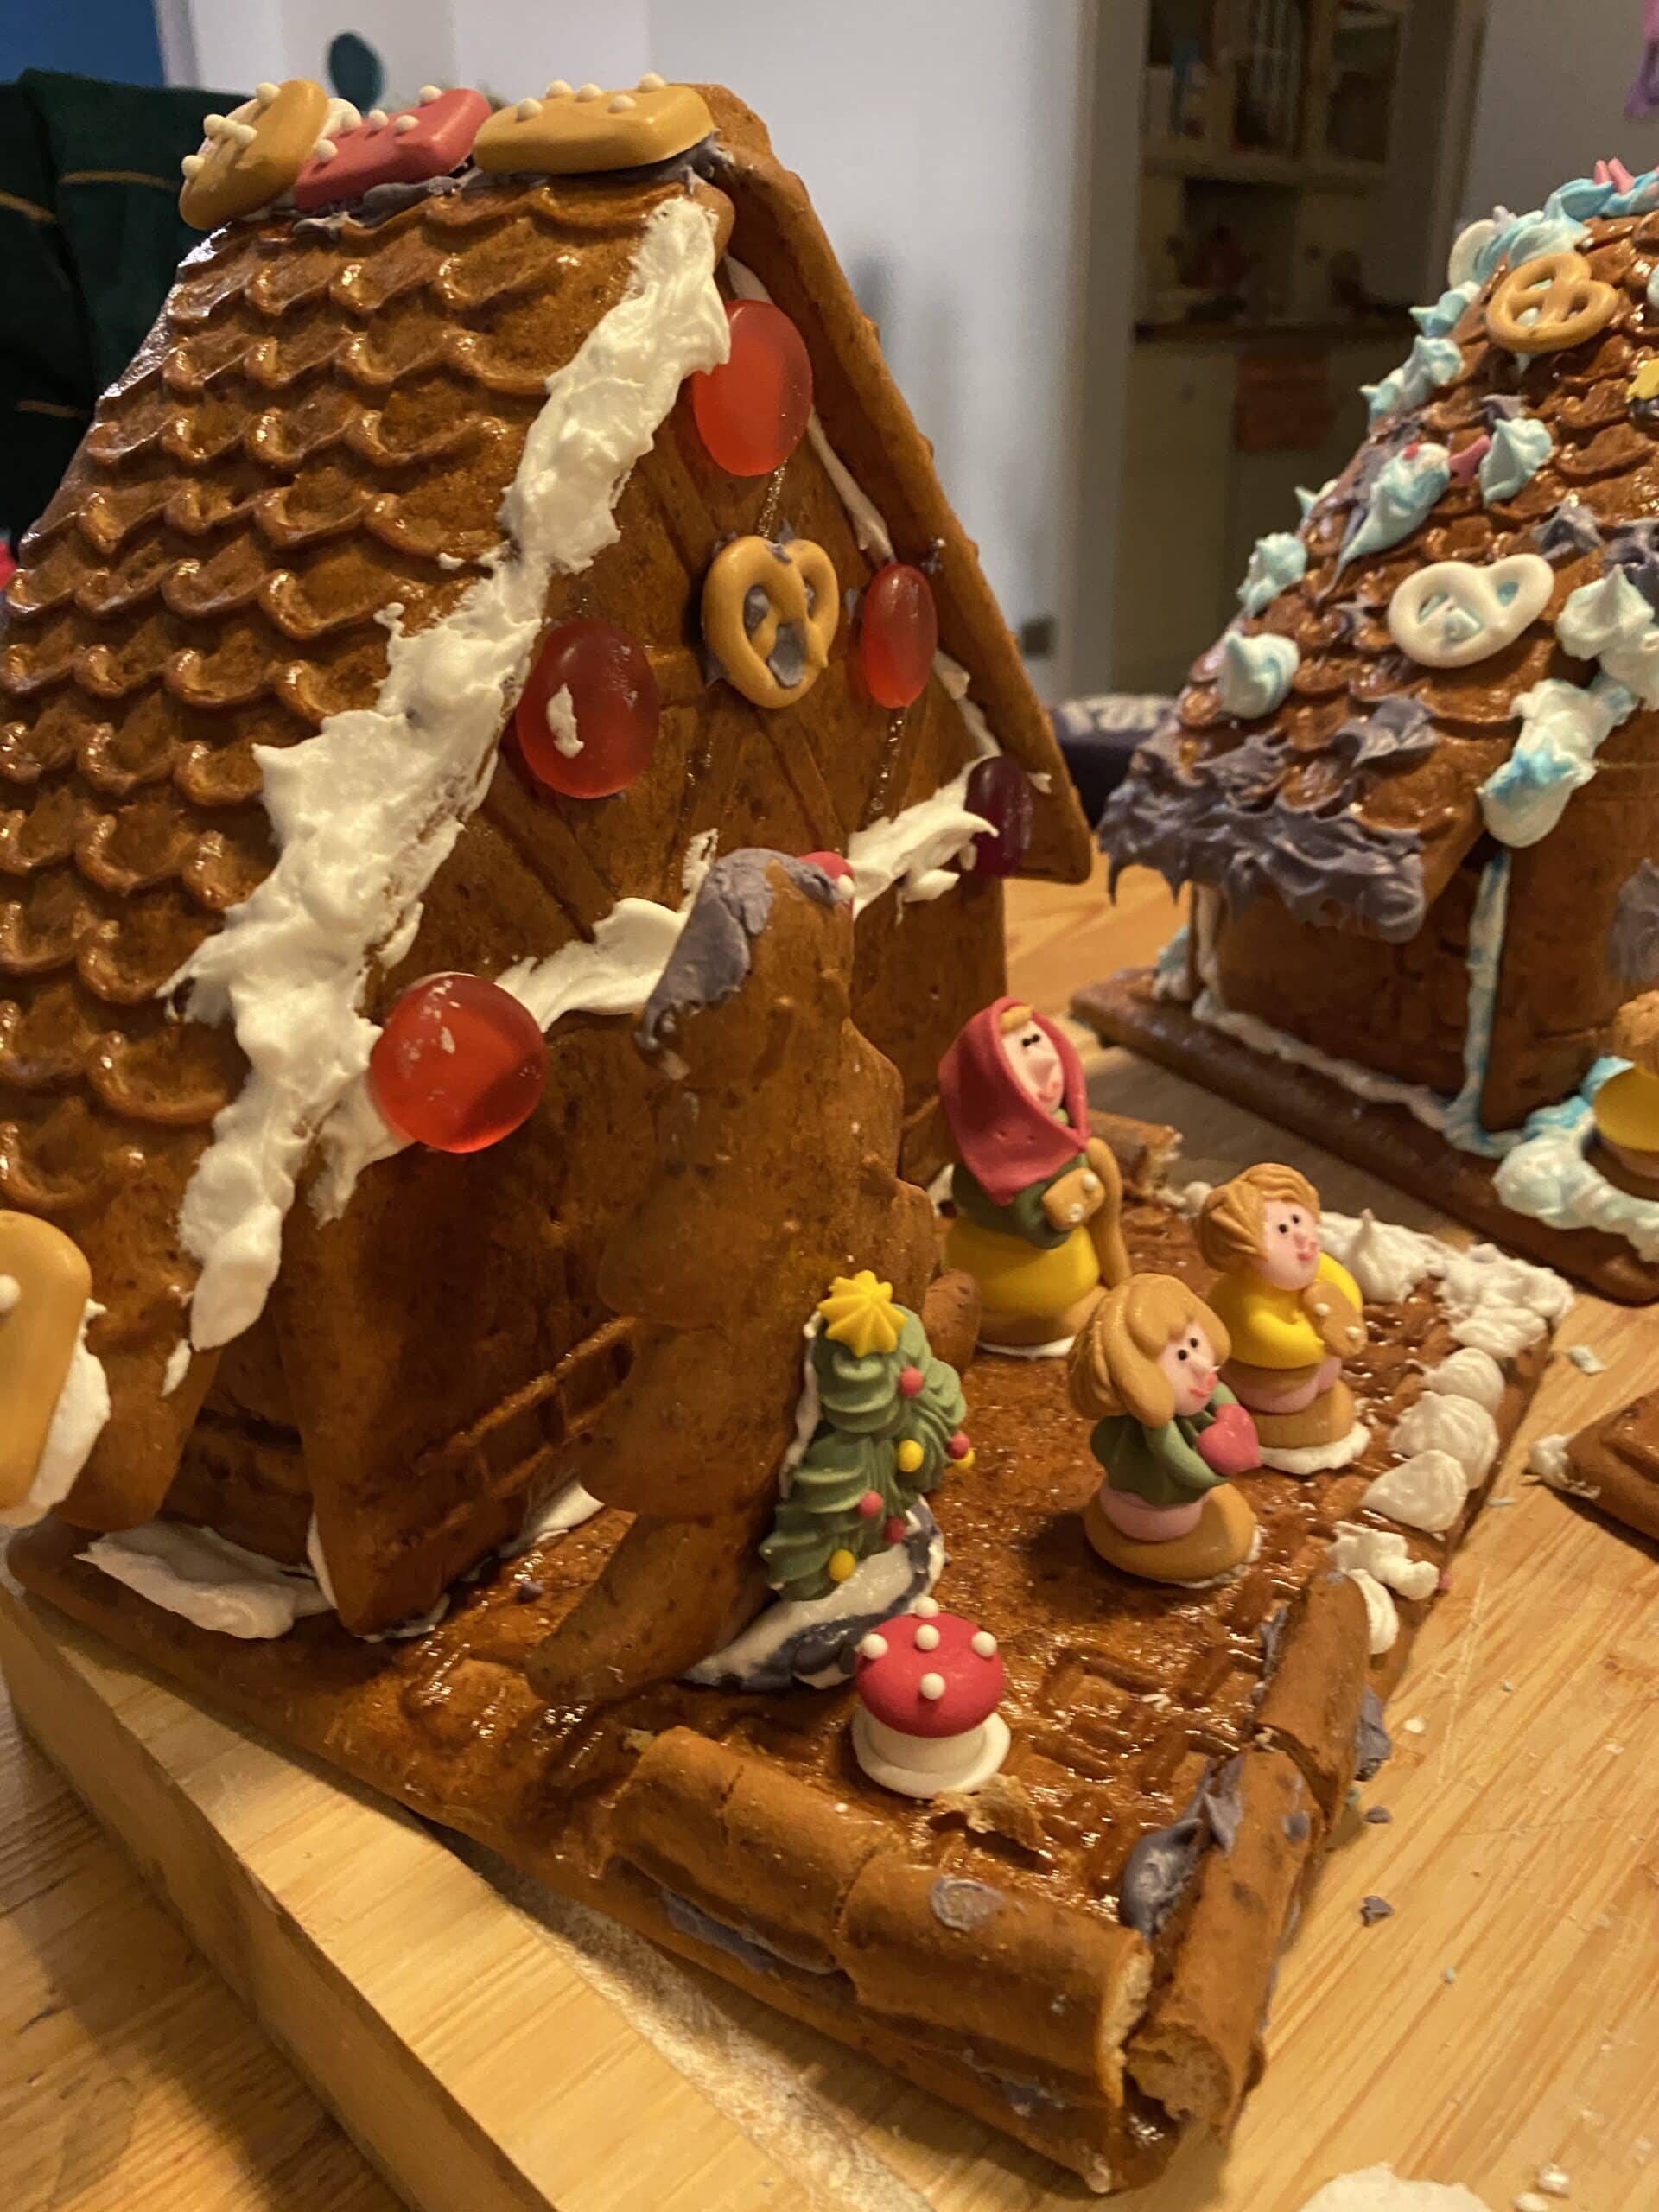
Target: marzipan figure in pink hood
[1038,1198]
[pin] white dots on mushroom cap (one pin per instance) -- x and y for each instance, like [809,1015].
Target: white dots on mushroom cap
[924,1608]
[983,1644]
[873,1646]
[927,1638]
[932,1686]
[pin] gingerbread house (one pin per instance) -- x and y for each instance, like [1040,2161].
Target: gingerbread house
[1409,782]
[493,529]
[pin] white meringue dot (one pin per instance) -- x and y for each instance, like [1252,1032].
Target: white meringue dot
[590,92]
[324,150]
[927,1637]
[375,119]
[622,103]
[558,90]
[244,133]
[931,1687]
[527,109]
[651,82]
[404,123]
[265,93]
[192,164]
[926,1607]
[211,125]
[429,93]
[873,1646]
[984,1644]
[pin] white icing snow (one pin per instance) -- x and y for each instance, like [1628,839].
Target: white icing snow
[1382,1615]
[207,1579]
[561,1511]
[1457,1426]
[913,849]
[1495,1302]
[1386,1260]
[366,811]
[1549,1176]
[1380,1561]
[1379,2188]
[1469,1373]
[1426,1491]
[76,1423]
[1316,1458]
[1547,1459]
[562,721]
[178,1366]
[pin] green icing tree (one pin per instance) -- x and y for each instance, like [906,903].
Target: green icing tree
[873,1436]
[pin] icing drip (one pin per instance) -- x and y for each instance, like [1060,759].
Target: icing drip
[1277,561]
[366,811]
[1448,311]
[1519,449]
[1255,673]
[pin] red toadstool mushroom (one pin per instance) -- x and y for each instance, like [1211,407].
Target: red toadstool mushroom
[929,1684]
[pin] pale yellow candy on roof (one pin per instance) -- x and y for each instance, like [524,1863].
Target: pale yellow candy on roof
[585,132]
[250,157]
[47,1283]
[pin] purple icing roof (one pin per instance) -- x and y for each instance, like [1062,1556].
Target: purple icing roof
[711,961]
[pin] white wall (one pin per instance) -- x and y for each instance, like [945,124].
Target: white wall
[1553,78]
[941,141]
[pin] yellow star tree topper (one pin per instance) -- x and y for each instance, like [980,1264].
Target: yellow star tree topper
[859,1313]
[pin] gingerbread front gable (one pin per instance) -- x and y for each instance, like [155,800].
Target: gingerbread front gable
[263,650]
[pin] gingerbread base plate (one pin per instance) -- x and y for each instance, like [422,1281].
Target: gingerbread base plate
[1386,1140]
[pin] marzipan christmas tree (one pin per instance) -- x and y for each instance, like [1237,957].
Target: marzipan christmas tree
[891,1424]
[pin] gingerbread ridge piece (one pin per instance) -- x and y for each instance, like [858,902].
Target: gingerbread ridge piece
[1613,1465]
[736,1832]
[1128,1009]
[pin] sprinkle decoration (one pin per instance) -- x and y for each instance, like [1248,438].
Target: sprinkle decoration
[587,721]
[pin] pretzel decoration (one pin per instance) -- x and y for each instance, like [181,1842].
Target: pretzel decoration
[250,156]
[798,588]
[44,1284]
[1549,302]
[1454,613]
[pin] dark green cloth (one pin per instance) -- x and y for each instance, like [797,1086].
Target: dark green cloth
[1023,1215]
[90,238]
[1161,1466]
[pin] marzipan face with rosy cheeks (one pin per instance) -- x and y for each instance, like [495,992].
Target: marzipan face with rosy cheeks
[1189,1363]
[1290,1248]
[1036,1065]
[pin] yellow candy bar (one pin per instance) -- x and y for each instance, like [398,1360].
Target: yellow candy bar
[44,1284]
[587,132]
[248,158]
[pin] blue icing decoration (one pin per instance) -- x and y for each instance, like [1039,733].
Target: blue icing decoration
[1403,494]
[1492,248]
[1638,198]
[1580,197]
[1443,318]
[1519,449]
[1542,231]
[1563,727]
[1430,363]
[1307,500]
[1611,623]
[1462,1126]
[1277,561]
[1255,673]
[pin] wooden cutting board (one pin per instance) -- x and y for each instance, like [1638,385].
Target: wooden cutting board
[491,2049]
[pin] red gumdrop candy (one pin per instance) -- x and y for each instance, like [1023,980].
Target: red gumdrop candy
[895,1531]
[750,412]
[898,634]
[602,735]
[910,1380]
[959,1446]
[999,790]
[833,864]
[459,1066]
[869,1505]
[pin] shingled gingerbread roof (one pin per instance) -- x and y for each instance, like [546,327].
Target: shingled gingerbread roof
[321,427]
[1355,802]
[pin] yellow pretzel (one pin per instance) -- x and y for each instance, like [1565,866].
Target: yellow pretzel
[249,158]
[1563,303]
[800,582]
[44,1283]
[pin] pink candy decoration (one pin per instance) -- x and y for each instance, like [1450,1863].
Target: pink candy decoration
[959,1446]
[894,1531]
[407,148]
[1614,173]
[1468,458]
[889,1688]
[869,1505]
[910,1381]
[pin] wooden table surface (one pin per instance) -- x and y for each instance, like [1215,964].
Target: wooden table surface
[131,2077]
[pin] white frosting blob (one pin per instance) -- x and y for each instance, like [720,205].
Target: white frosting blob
[178,1366]
[1384,1553]
[1457,1425]
[1469,1373]
[561,1511]
[561,723]
[913,849]
[1426,1491]
[1379,2188]
[366,811]
[1381,1617]
[1386,1261]
[1316,1458]
[76,1423]
[207,1579]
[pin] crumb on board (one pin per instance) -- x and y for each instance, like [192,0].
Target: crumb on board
[1586,1359]
[1415,1726]
[1555,2181]
[1371,1909]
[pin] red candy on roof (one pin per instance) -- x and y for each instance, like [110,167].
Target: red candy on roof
[417,143]
[934,1674]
